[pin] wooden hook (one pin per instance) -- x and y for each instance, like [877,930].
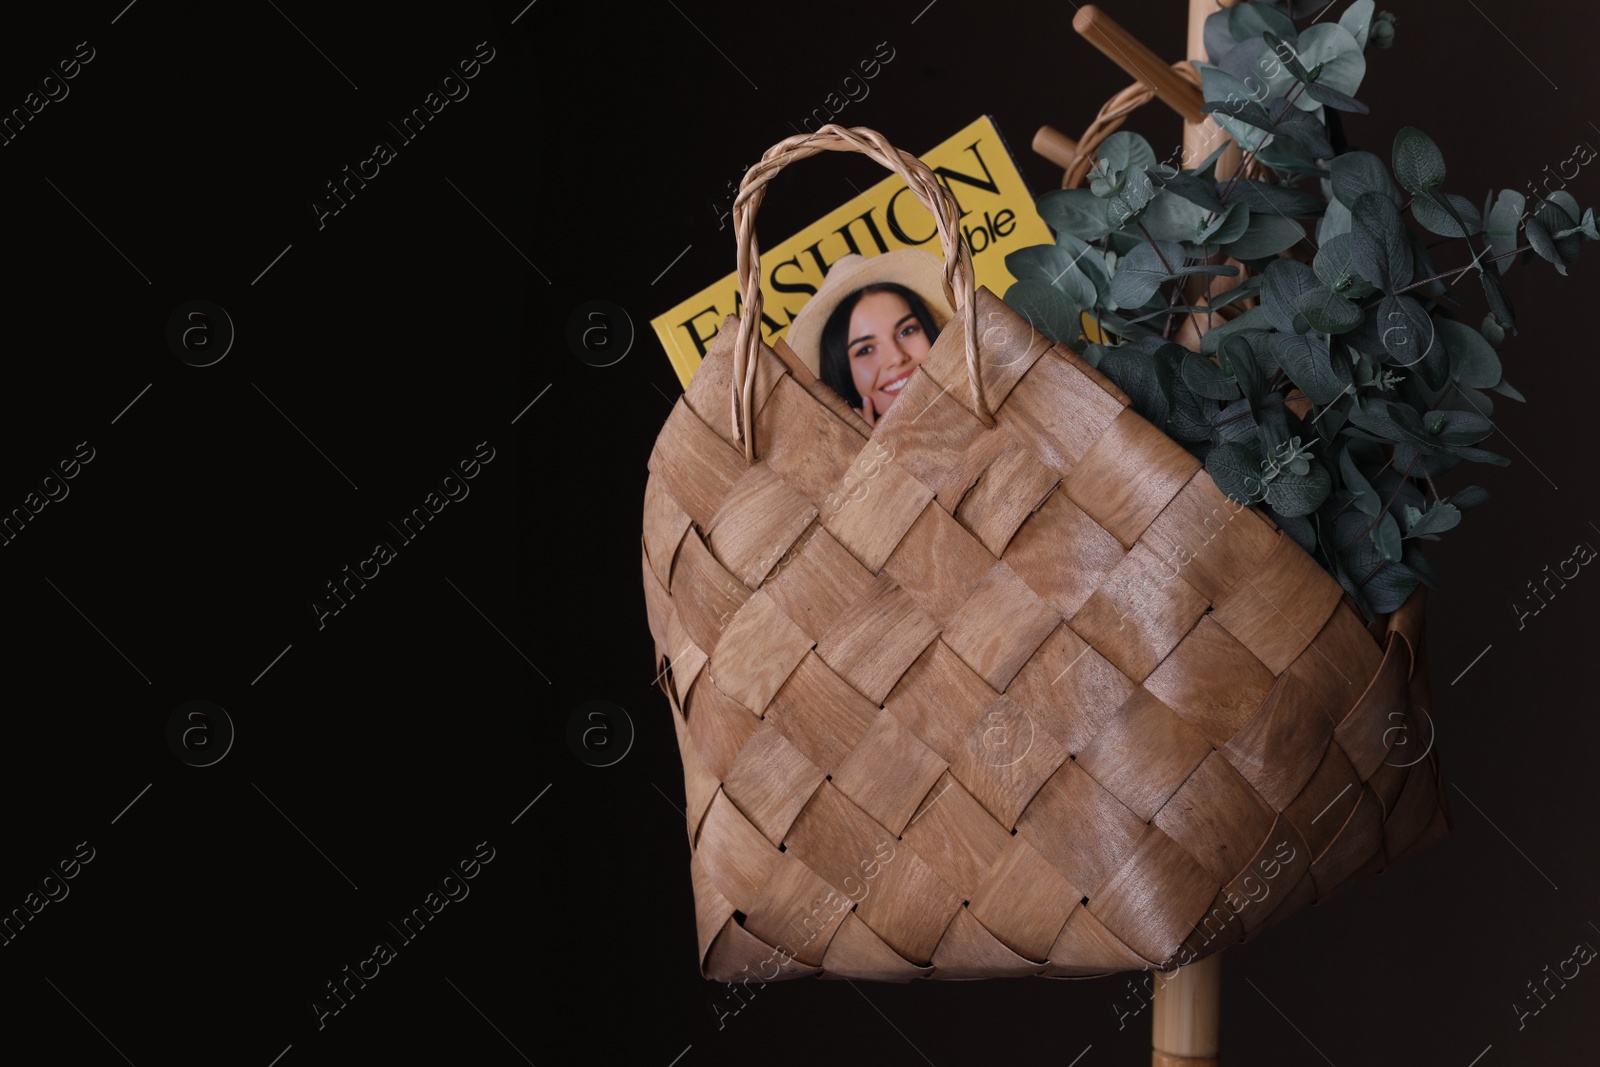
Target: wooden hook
[1055,146]
[1129,53]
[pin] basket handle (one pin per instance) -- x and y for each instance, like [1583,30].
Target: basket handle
[958,276]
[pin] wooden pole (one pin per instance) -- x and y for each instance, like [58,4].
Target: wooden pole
[1187,1006]
[1186,1015]
[1201,138]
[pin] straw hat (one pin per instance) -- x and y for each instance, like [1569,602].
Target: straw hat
[918,271]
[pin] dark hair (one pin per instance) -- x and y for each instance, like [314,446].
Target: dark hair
[834,361]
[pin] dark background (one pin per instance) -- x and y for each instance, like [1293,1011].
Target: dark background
[373,753]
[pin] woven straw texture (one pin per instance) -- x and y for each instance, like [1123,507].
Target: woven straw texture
[965,701]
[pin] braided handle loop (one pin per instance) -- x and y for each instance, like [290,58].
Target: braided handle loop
[958,275]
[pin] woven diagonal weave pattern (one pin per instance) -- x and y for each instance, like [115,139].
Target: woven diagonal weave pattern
[958,702]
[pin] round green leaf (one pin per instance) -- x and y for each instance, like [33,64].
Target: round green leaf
[1267,235]
[1226,227]
[1335,222]
[1234,424]
[1499,301]
[1312,366]
[1458,427]
[1134,197]
[1354,173]
[1563,226]
[1588,226]
[1365,497]
[1127,152]
[1091,262]
[1407,331]
[1387,589]
[1501,229]
[1141,272]
[1147,379]
[1254,319]
[1047,309]
[1435,520]
[1285,55]
[1196,190]
[1220,87]
[1567,202]
[1107,181]
[1386,535]
[1544,244]
[1328,312]
[1075,211]
[1205,378]
[1170,217]
[1283,283]
[1187,420]
[1434,218]
[1333,267]
[1252,20]
[1380,248]
[1473,361]
[1216,35]
[1055,265]
[1237,472]
[1357,18]
[1294,494]
[1418,163]
[1335,60]
[1492,331]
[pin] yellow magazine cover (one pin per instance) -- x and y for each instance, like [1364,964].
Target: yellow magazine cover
[997,218]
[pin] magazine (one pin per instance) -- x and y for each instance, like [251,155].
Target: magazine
[997,218]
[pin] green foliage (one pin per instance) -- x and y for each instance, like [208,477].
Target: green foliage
[1382,32]
[1336,400]
[1418,162]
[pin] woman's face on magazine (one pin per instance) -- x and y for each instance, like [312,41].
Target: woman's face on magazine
[886,342]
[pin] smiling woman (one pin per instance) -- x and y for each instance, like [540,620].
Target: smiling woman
[870,325]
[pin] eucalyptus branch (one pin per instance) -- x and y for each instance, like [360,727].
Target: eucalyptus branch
[1387,504]
[1300,305]
[1249,153]
[1458,270]
[1434,489]
[1155,247]
[1341,508]
[1172,307]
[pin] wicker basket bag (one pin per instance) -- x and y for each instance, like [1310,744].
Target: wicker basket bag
[1003,685]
